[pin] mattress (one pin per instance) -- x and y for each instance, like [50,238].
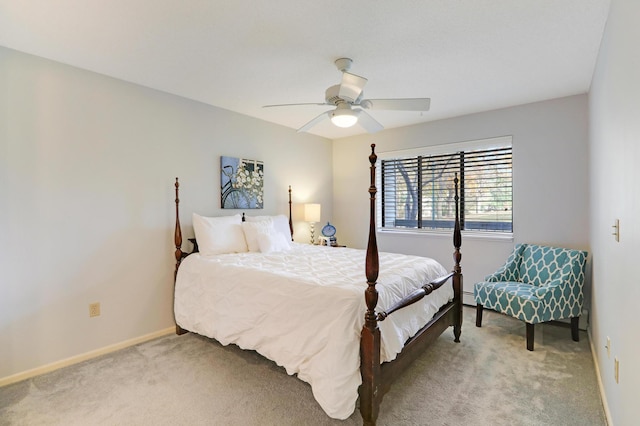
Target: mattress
[304,309]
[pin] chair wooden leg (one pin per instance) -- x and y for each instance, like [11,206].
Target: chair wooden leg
[529,336]
[575,334]
[479,315]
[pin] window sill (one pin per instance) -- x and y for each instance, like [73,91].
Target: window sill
[472,235]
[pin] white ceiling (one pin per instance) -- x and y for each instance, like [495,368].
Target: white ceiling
[466,55]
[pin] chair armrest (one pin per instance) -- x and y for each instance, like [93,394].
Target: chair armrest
[509,271]
[496,277]
[550,286]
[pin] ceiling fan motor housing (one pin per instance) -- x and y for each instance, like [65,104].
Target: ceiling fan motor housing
[332,97]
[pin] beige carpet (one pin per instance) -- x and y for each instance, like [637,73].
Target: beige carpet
[487,379]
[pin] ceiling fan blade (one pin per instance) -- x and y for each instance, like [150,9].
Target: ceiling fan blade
[286,105]
[313,122]
[406,104]
[368,122]
[351,86]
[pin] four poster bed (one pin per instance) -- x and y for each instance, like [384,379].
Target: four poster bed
[302,306]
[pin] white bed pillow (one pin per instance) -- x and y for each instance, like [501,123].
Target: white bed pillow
[218,235]
[272,242]
[253,228]
[280,223]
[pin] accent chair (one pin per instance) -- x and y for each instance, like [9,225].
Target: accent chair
[536,284]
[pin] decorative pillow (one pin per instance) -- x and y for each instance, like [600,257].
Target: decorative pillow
[272,242]
[253,228]
[280,222]
[218,235]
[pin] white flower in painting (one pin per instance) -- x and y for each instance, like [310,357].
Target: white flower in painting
[249,182]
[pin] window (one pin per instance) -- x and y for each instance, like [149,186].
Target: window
[417,187]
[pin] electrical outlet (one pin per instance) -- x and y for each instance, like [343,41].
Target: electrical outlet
[608,346]
[616,369]
[94,309]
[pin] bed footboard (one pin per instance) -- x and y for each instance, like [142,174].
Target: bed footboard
[377,378]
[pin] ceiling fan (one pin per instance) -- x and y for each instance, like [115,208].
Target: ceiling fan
[349,105]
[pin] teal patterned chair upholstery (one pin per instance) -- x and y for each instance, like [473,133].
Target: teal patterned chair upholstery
[536,284]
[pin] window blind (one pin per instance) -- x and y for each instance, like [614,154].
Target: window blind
[418,191]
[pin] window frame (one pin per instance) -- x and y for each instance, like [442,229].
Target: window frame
[450,148]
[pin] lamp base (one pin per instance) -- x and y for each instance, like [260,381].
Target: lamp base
[313,239]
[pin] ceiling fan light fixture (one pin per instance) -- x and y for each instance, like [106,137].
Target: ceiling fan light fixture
[348,95]
[344,117]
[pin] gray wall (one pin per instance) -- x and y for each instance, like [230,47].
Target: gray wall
[87,166]
[550,182]
[614,153]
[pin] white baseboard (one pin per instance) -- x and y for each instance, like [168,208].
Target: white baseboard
[603,396]
[468,299]
[82,357]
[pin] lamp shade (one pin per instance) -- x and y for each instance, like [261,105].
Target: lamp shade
[312,212]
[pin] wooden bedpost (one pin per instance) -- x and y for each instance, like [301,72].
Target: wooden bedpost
[290,220]
[370,394]
[177,237]
[457,270]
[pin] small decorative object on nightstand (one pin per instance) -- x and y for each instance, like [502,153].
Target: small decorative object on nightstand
[312,215]
[329,236]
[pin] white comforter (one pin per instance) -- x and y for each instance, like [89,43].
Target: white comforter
[304,309]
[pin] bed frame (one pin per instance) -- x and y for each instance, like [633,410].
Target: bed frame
[377,378]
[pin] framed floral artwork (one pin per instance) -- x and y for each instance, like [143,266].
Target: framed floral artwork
[241,183]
